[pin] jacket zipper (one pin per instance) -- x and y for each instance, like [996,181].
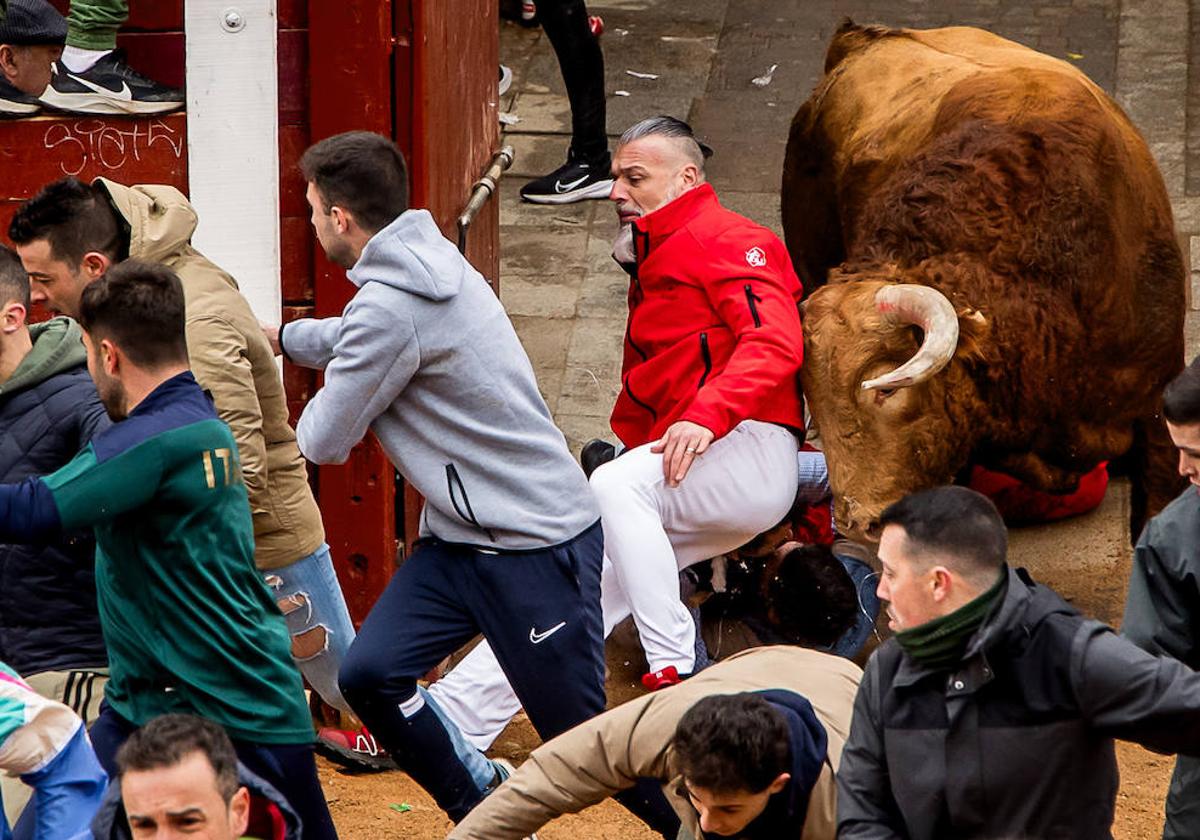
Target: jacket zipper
[753,299]
[629,391]
[452,478]
[629,338]
[707,357]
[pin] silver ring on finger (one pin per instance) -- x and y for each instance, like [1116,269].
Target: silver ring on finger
[691,449]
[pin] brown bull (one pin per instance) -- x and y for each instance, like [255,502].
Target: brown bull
[992,267]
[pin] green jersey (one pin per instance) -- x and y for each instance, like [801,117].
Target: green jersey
[188,622]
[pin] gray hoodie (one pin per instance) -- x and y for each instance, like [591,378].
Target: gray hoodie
[425,356]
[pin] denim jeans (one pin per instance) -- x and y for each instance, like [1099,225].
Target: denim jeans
[310,597]
[865,581]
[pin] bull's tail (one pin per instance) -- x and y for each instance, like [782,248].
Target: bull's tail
[851,37]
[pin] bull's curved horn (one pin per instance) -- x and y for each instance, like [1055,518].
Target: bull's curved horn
[929,309]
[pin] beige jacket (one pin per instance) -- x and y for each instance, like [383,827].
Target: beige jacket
[231,359]
[610,752]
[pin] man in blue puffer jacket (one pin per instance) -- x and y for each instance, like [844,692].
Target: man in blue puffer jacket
[49,409]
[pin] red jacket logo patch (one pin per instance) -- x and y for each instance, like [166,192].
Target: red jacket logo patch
[756,257]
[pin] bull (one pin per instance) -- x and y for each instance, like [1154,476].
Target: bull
[991,271]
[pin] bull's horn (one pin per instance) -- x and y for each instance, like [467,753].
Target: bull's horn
[932,312]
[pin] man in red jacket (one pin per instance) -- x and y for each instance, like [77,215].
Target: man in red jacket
[710,407]
[707,416]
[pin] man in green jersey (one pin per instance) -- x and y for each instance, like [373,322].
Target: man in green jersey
[189,624]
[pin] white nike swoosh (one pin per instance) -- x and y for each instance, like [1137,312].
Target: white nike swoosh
[124,93]
[537,638]
[560,187]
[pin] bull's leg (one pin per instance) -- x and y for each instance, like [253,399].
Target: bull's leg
[811,223]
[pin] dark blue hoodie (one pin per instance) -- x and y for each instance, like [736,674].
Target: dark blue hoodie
[786,810]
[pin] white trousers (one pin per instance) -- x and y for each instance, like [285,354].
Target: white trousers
[744,484]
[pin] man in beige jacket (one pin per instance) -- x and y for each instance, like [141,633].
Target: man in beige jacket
[711,742]
[70,234]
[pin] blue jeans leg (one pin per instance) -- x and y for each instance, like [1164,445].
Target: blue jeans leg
[311,599]
[865,580]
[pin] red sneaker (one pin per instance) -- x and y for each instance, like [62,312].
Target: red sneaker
[665,678]
[354,748]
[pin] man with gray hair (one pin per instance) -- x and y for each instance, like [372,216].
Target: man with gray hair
[708,415]
[709,410]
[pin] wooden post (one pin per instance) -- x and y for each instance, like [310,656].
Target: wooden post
[233,142]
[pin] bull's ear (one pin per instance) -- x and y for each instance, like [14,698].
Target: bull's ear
[974,330]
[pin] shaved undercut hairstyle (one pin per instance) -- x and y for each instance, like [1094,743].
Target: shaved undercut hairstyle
[677,130]
[732,743]
[958,526]
[1181,399]
[74,218]
[139,307]
[14,282]
[167,740]
[361,172]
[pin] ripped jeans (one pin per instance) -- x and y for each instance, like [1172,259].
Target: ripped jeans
[310,598]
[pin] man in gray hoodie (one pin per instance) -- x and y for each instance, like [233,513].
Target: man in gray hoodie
[426,358]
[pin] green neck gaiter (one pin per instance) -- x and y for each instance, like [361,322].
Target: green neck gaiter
[940,643]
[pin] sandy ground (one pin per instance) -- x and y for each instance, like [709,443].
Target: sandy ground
[1086,559]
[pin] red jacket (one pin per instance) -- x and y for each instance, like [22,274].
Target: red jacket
[714,330]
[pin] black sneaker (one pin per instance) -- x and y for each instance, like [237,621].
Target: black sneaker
[110,86]
[594,453]
[575,180]
[16,103]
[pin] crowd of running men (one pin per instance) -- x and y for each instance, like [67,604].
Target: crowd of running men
[165,588]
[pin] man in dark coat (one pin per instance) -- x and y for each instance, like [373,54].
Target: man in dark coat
[993,710]
[49,410]
[1163,605]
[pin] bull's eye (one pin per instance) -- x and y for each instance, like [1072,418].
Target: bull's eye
[882,394]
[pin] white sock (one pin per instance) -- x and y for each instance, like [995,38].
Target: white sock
[412,705]
[78,60]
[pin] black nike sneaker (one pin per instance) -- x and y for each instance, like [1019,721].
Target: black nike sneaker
[110,86]
[15,103]
[575,180]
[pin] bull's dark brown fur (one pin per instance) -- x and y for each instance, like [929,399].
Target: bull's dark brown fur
[1027,198]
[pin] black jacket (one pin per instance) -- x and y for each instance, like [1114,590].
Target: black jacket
[1162,610]
[49,410]
[1018,740]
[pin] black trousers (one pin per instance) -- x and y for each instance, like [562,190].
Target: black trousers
[540,612]
[581,61]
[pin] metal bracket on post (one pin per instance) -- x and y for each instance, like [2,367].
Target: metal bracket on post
[482,190]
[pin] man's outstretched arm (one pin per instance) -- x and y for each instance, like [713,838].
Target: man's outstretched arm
[82,493]
[28,513]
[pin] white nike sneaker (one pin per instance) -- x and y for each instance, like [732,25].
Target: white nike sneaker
[575,180]
[110,86]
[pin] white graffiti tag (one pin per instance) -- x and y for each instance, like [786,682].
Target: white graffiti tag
[108,145]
